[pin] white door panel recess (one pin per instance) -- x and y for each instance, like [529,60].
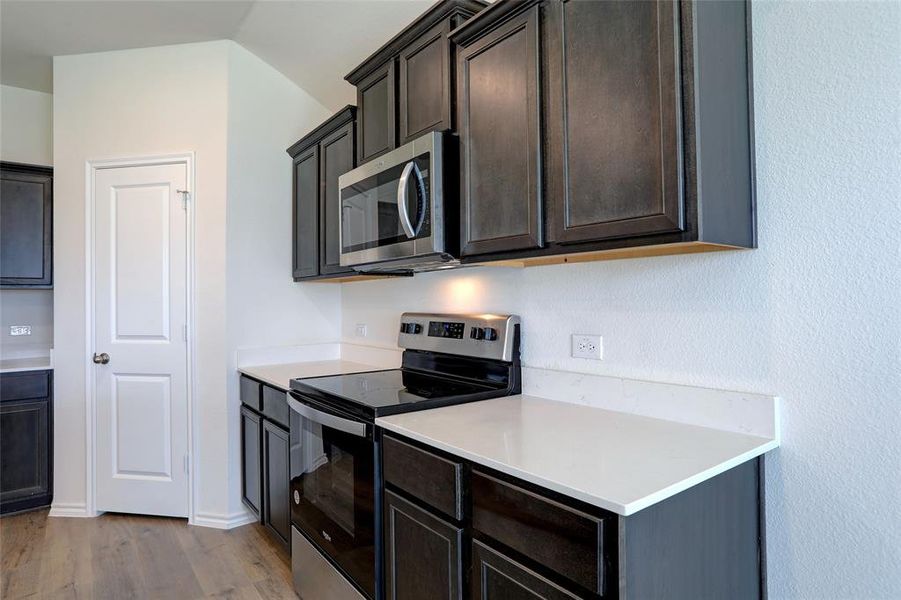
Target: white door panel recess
[140,316]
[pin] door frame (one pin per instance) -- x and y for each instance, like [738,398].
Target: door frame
[91,168]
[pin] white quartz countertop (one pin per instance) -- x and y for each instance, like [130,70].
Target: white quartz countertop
[281,375]
[618,461]
[38,363]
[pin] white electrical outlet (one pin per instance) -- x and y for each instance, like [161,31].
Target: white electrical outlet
[20,330]
[361,329]
[588,346]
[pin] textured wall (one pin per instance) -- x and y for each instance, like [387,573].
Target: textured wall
[811,315]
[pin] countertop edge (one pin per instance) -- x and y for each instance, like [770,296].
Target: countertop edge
[623,509]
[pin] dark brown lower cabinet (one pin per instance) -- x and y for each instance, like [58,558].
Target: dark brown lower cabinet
[496,576]
[276,478]
[516,540]
[265,447]
[251,459]
[423,553]
[26,441]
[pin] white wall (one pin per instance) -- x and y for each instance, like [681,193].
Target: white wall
[26,126]
[138,103]
[25,137]
[266,114]
[811,315]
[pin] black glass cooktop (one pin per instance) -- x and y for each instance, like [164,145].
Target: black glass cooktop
[389,392]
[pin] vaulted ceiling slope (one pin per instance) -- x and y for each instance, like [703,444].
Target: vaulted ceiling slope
[313,42]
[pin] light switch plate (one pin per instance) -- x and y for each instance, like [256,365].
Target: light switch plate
[20,330]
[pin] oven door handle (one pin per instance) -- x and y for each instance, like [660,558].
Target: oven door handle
[402,210]
[356,428]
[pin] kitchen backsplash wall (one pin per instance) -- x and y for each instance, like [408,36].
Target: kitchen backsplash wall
[26,307]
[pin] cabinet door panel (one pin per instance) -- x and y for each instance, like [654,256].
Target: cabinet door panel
[26,251]
[276,478]
[376,103]
[251,460]
[498,577]
[306,213]
[499,107]
[615,120]
[24,452]
[336,157]
[425,85]
[422,553]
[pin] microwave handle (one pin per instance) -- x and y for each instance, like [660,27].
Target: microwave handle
[323,418]
[402,200]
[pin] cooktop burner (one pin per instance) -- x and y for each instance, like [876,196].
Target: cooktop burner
[386,392]
[447,359]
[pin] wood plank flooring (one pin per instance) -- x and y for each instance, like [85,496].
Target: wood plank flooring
[127,556]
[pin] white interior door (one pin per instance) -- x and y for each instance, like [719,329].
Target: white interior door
[140,315]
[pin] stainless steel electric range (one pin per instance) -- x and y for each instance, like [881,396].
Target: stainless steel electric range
[336,481]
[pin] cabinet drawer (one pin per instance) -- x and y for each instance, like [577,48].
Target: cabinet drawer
[562,539]
[435,480]
[275,406]
[251,393]
[24,386]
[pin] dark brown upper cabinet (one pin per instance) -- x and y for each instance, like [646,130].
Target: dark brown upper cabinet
[643,142]
[499,136]
[336,157]
[376,99]
[614,120]
[26,226]
[405,89]
[306,213]
[319,158]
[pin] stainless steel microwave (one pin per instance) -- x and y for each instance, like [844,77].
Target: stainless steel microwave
[399,211]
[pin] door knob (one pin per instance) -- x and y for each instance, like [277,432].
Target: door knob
[101,359]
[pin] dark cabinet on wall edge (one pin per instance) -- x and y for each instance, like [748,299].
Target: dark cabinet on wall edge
[672,174]
[312,234]
[26,440]
[26,219]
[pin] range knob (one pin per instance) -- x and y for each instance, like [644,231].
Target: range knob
[490,334]
[477,333]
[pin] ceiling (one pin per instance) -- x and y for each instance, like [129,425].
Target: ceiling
[313,42]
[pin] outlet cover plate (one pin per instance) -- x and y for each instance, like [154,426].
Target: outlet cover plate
[585,345]
[20,330]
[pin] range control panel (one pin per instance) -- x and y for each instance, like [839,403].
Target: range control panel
[482,336]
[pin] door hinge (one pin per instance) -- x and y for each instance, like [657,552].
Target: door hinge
[185,196]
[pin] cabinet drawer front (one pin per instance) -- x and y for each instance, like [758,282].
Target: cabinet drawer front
[251,393]
[275,406]
[495,577]
[430,478]
[24,386]
[422,553]
[560,538]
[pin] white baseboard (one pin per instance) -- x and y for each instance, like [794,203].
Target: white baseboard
[223,521]
[69,509]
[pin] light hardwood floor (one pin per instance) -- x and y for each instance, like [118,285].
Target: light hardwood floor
[127,556]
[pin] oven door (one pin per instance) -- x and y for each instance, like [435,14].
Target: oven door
[391,207]
[332,487]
